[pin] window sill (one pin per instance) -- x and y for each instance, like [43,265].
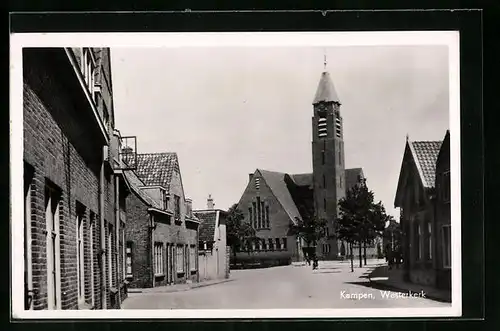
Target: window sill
[180,273]
[159,275]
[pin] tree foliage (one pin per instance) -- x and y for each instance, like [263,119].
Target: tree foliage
[239,234]
[360,220]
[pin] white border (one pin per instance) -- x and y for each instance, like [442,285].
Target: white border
[259,39]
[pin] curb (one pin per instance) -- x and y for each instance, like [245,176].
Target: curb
[397,288]
[168,289]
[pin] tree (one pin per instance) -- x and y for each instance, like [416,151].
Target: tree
[361,220]
[240,235]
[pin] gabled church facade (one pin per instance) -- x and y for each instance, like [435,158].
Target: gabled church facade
[273,200]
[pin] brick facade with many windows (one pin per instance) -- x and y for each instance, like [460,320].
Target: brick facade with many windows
[66,136]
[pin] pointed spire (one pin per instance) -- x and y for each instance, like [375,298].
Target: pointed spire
[325,62]
[326,91]
[407,137]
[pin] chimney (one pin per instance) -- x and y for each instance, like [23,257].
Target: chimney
[189,207]
[250,176]
[210,202]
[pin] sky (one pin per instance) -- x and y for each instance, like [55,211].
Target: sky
[227,111]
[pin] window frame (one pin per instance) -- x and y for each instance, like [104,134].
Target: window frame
[429,240]
[80,252]
[179,262]
[129,256]
[192,258]
[92,219]
[53,241]
[159,263]
[446,249]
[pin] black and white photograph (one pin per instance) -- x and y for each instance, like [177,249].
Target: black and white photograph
[226,175]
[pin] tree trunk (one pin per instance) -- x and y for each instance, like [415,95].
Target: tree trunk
[360,255]
[364,251]
[352,257]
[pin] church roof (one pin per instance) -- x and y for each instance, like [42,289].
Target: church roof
[326,91]
[157,168]
[352,177]
[277,184]
[303,179]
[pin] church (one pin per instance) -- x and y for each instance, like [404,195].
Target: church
[273,200]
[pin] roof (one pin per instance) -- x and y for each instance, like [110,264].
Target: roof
[425,154]
[351,177]
[157,168]
[277,184]
[303,179]
[135,182]
[208,220]
[326,91]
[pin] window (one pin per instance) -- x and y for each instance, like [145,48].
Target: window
[419,242]
[338,127]
[88,67]
[324,181]
[158,256]
[327,234]
[250,216]
[324,204]
[253,246]
[323,157]
[260,247]
[128,252]
[322,127]
[257,183]
[177,213]
[340,154]
[110,255]
[340,181]
[283,243]
[52,205]
[447,246]
[271,244]
[165,200]
[80,266]
[429,233]
[192,258]
[180,259]
[91,244]
[446,186]
[267,217]
[254,215]
[264,244]
[278,246]
[259,214]
[123,250]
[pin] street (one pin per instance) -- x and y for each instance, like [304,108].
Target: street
[286,287]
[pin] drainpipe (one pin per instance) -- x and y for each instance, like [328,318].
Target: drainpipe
[151,249]
[103,229]
[117,218]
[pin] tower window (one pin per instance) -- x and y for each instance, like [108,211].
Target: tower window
[324,204]
[322,127]
[257,183]
[338,127]
[323,157]
[324,181]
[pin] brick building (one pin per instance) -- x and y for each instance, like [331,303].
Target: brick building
[423,194]
[213,254]
[74,192]
[272,200]
[162,232]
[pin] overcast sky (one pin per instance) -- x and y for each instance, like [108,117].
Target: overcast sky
[228,111]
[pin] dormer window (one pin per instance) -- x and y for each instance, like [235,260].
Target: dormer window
[88,67]
[165,200]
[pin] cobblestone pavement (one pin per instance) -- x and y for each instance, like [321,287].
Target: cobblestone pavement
[287,287]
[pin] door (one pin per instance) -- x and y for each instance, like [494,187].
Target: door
[28,277]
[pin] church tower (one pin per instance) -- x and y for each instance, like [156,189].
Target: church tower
[328,161]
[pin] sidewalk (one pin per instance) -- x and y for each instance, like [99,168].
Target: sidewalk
[384,278]
[178,287]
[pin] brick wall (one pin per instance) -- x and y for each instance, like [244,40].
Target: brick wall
[279,222]
[137,233]
[61,151]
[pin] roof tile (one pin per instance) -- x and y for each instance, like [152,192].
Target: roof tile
[157,168]
[207,219]
[425,154]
